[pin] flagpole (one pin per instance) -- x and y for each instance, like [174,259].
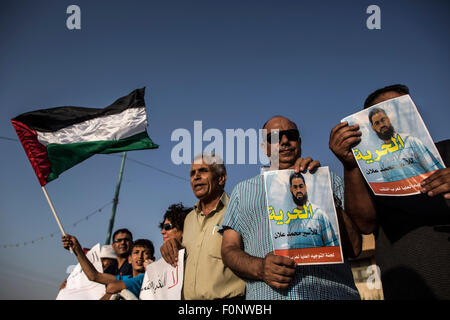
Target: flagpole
[55,214]
[115,201]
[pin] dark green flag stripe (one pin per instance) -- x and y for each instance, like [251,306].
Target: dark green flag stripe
[65,156]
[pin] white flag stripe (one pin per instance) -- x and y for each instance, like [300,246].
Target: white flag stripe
[113,127]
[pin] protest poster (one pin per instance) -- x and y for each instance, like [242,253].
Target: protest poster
[396,152]
[162,281]
[302,216]
[78,286]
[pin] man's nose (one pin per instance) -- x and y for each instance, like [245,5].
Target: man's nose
[284,139]
[197,175]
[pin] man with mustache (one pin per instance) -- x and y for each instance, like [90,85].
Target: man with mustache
[412,158]
[205,277]
[312,224]
[247,246]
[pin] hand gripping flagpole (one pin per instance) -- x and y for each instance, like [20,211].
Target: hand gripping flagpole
[55,214]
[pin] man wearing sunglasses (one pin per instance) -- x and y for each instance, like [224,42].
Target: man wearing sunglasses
[205,276]
[247,247]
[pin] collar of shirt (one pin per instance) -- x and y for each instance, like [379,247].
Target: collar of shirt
[220,204]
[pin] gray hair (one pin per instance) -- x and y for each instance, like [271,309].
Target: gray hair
[213,160]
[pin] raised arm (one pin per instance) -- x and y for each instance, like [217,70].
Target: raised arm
[358,202]
[90,271]
[277,271]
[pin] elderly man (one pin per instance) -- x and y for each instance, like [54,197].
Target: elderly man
[205,276]
[412,232]
[247,247]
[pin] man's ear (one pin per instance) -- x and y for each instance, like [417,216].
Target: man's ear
[265,149]
[222,179]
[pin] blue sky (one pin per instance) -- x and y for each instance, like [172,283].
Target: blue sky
[230,64]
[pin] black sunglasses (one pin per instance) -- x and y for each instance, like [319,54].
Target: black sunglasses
[291,135]
[167,226]
[122,239]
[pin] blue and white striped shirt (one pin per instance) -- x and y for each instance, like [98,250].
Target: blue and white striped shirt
[247,215]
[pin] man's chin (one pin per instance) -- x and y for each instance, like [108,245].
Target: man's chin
[123,254]
[386,135]
[200,195]
[300,202]
[286,162]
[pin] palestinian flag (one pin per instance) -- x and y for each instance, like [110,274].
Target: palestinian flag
[56,139]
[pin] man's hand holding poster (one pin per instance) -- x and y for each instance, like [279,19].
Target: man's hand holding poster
[302,216]
[396,151]
[162,281]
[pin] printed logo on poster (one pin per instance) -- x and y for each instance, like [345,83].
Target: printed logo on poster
[302,216]
[396,152]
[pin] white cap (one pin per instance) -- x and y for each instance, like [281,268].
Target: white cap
[107,252]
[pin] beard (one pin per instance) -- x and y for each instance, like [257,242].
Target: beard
[300,202]
[387,135]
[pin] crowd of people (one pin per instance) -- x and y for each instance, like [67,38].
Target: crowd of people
[227,240]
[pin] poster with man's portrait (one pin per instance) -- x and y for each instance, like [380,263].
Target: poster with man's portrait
[396,152]
[302,216]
